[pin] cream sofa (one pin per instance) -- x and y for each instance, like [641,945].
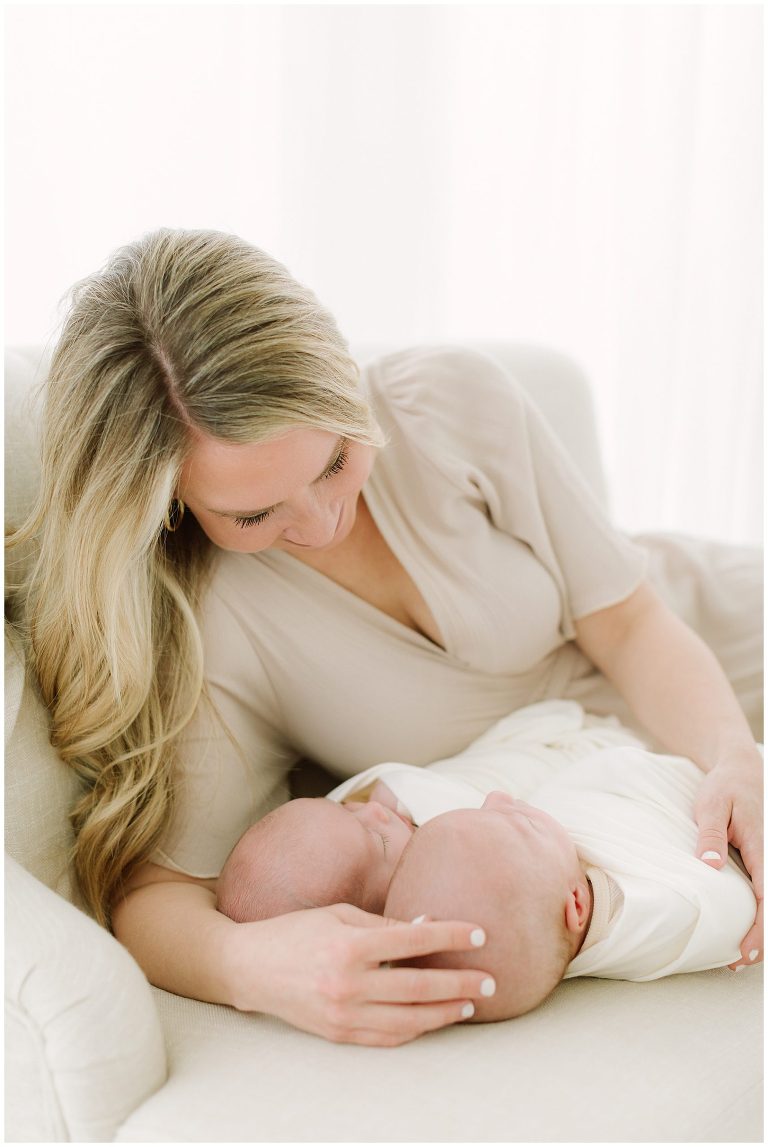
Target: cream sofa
[94,1053]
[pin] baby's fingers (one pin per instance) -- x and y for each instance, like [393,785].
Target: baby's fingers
[405,941]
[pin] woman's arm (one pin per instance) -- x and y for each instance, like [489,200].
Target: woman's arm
[677,689]
[669,677]
[320,969]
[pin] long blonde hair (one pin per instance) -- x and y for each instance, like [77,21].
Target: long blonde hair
[180,329]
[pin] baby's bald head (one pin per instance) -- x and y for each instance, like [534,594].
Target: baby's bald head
[467,865]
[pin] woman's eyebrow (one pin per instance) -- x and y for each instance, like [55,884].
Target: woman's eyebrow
[268,509]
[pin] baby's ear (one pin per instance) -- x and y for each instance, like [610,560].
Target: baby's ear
[577,907]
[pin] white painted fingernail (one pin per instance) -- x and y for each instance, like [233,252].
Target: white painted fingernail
[418,920]
[710,855]
[739,967]
[467,1011]
[477,938]
[754,953]
[487,988]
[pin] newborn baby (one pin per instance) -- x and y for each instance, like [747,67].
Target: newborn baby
[516,870]
[312,852]
[597,876]
[344,848]
[508,864]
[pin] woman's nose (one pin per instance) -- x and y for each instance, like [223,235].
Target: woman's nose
[316,527]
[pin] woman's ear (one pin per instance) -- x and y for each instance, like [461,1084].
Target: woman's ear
[578,907]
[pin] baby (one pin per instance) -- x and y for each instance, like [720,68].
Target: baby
[516,870]
[507,865]
[312,852]
[596,877]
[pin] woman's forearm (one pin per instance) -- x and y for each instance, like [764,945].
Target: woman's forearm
[318,969]
[175,934]
[671,680]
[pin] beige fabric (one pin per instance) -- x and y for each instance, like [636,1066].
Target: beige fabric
[607,899]
[83,1021]
[717,589]
[678,1060]
[498,530]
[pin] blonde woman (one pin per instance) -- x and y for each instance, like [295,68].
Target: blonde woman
[248,554]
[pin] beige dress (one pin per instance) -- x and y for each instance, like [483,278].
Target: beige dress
[487,514]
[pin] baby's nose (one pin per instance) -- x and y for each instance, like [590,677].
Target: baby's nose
[499,800]
[375,812]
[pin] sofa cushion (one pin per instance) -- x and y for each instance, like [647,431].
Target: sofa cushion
[39,787]
[675,1060]
[84,1046]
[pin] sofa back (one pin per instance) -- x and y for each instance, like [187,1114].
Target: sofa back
[25,371]
[39,788]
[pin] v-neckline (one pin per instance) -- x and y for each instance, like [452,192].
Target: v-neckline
[378,515]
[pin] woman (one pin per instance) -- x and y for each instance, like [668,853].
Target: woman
[227,582]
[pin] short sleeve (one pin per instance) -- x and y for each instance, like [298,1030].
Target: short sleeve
[232,758]
[480,425]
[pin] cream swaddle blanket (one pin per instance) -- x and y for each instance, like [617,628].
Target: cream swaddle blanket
[658,909]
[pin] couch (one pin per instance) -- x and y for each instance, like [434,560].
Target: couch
[94,1053]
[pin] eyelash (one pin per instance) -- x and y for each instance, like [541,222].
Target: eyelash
[336,468]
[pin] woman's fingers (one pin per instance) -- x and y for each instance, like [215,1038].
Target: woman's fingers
[713,813]
[427,985]
[729,808]
[399,941]
[388,1025]
[386,939]
[752,944]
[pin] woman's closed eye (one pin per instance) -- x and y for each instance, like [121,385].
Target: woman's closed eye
[253,519]
[341,460]
[335,468]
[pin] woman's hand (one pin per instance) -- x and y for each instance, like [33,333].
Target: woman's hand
[729,810]
[321,970]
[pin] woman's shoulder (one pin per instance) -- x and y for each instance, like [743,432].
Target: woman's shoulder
[418,371]
[443,392]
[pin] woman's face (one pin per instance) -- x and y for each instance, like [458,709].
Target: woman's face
[295,492]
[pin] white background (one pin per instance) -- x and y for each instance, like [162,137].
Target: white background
[587,177]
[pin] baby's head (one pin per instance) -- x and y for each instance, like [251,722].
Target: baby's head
[514,870]
[309,853]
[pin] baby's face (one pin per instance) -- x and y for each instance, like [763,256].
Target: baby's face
[364,840]
[541,843]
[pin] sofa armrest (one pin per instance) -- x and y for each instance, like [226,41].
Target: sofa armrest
[84,1046]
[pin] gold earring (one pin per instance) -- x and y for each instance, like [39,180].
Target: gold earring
[174,515]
